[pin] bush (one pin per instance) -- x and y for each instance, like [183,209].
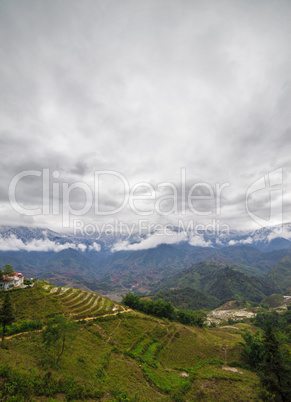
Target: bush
[16,384]
[164,309]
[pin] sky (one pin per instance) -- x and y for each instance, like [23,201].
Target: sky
[184,104]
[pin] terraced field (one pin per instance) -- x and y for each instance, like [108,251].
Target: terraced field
[80,304]
[119,357]
[146,350]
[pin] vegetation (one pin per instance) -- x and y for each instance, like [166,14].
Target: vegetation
[8,270]
[119,354]
[55,337]
[22,386]
[122,354]
[280,275]
[274,300]
[6,314]
[164,309]
[220,281]
[269,356]
[188,298]
[282,321]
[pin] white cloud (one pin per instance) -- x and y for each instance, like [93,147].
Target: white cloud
[156,239]
[82,247]
[199,241]
[95,247]
[284,231]
[249,240]
[151,241]
[12,243]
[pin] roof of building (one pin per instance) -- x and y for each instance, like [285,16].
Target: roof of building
[8,278]
[19,274]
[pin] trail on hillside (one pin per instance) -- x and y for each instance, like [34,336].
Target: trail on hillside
[83,319]
[105,315]
[110,336]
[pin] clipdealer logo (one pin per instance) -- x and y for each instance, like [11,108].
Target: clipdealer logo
[142,198]
[270,186]
[145,200]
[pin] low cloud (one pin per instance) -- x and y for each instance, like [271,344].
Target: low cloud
[249,240]
[156,240]
[151,241]
[284,231]
[13,243]
[198,241]
[95,247]
[82,247]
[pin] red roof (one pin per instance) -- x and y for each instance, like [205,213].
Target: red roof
[18,274]
[7,278]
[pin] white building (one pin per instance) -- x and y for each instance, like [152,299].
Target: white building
[12,281]
[18,279]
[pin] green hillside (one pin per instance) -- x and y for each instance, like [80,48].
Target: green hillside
[194,277]
[220,281]
[118,354]
[231,284]
[188,298]
[280,275]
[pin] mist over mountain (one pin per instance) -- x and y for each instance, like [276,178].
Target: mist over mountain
[64,258]
[42,239]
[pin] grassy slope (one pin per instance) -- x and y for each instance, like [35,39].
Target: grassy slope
[139,355]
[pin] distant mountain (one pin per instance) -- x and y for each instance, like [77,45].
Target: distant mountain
[280,275]
[142,269]
[220,281]
[265,239]
[252,257]
[68,266]
[270,238]
[43,239]
[65,258]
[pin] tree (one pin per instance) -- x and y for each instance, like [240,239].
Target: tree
[56,336]
[8,270]
[268,356]
[6,314]
[253,349]
[276,366]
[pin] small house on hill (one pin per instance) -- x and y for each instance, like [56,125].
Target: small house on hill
[12,281]
[18,279]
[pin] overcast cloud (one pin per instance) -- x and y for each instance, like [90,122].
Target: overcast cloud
[145,88]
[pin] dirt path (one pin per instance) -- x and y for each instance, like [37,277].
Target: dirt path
[110,336]
[85,319]
[105,315]
[21,333]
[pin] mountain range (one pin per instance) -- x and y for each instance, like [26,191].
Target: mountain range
[115,263]
[42,239]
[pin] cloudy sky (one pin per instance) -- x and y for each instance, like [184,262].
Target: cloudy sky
[192,93]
